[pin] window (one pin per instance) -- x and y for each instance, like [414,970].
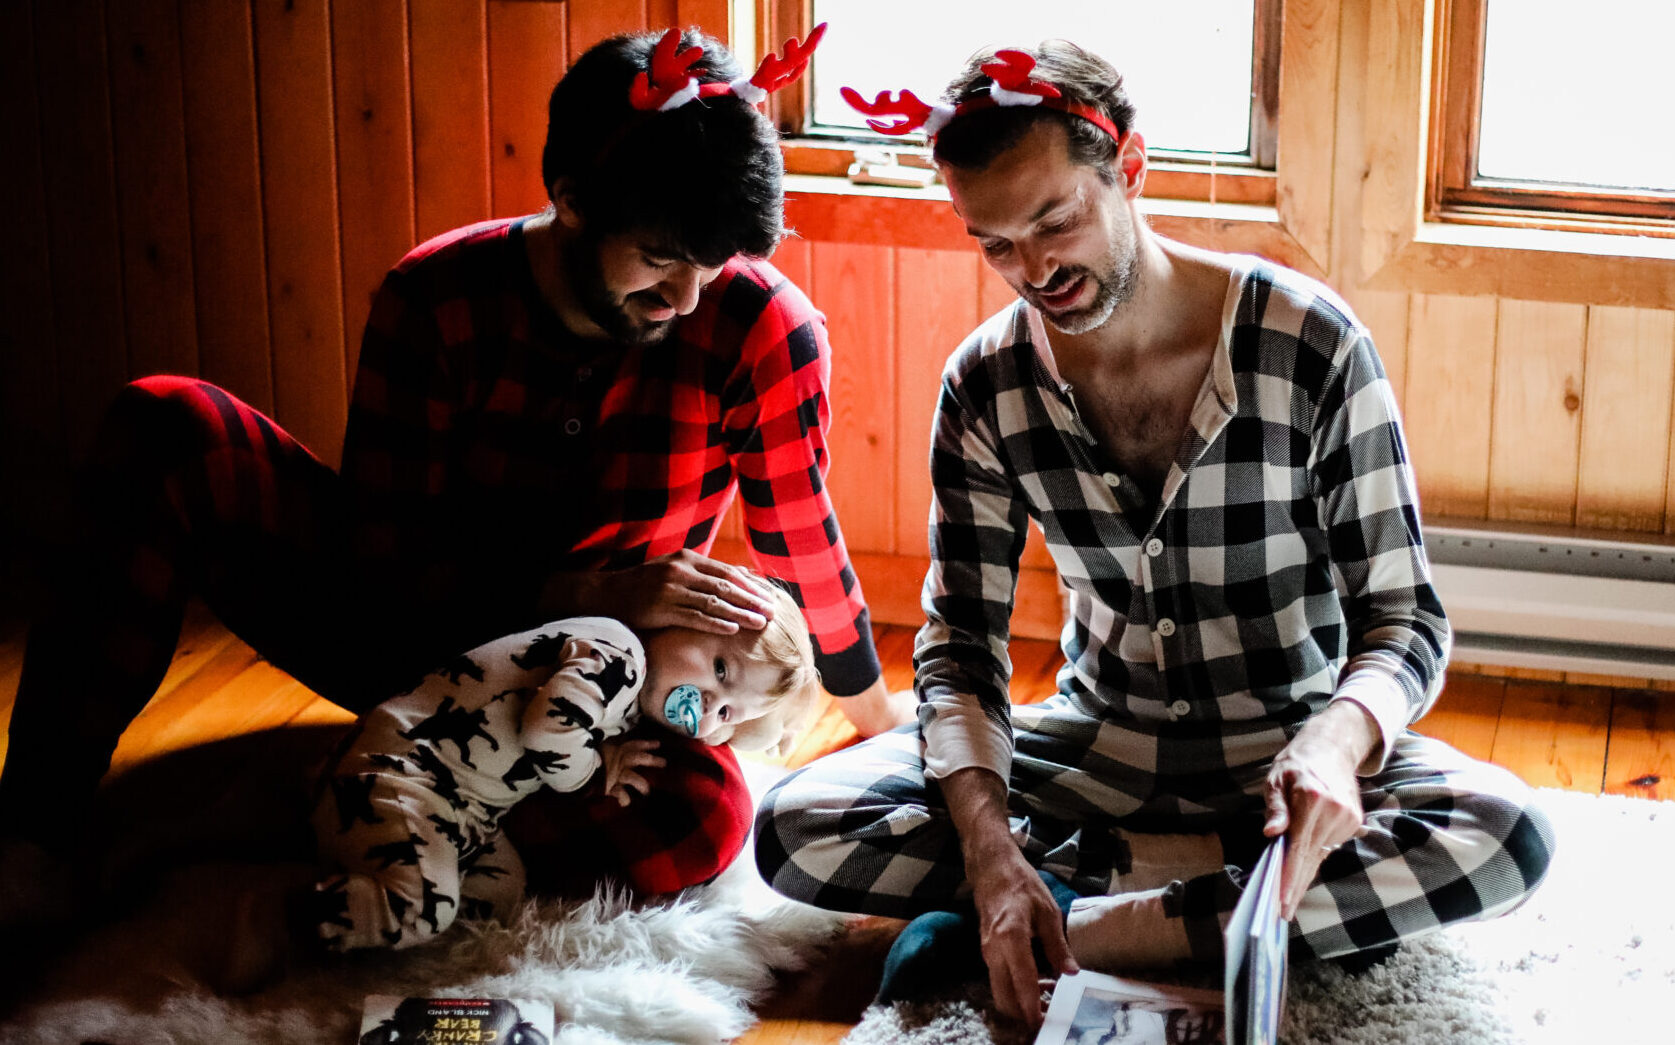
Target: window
[1204,76]
[1553,116]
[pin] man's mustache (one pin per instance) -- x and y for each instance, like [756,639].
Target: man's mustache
[1063,278]
[649,298]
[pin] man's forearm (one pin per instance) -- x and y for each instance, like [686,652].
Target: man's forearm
[976,800]
[1347,727]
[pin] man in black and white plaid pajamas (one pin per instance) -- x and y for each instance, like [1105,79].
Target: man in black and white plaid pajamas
[1213,452]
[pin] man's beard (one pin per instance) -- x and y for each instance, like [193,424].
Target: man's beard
[580,259]
[1114,284]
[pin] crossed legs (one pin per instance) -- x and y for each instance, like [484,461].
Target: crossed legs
[1449,839]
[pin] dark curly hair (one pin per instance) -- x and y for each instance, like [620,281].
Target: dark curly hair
[972,141]
[703,182]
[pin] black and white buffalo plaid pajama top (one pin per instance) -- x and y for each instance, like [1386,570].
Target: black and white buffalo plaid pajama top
[1282,568]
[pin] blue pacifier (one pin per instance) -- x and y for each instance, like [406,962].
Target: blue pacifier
[683,707]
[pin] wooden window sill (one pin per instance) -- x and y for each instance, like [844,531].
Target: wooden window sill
[833,209]
[1529,264]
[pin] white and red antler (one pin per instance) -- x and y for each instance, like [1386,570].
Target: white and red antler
[668,84]
[1012,85]
[774,72]
[911,113]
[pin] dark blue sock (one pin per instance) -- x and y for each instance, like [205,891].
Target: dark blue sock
[941,950]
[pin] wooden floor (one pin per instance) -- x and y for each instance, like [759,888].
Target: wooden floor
[1579,737]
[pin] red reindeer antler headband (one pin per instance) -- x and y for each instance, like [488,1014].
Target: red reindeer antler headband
[1012,85]
[668,84]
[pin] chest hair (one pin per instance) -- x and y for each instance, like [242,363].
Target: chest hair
[1138,410]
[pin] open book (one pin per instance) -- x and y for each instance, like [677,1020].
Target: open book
[1091,1008]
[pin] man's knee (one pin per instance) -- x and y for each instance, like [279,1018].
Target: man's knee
[156,424]
[813,822]
[1500,840]
[1528,840]
[776,830]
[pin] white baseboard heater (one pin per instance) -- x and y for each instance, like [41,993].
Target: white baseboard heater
[1533,597]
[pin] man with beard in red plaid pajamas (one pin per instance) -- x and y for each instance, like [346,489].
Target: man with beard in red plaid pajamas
[1213,453]
[550,416]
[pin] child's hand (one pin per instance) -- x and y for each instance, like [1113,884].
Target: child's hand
[623,759]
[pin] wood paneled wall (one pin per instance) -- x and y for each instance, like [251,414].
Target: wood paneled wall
[215,187]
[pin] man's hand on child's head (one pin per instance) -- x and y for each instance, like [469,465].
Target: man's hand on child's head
[623,761]
[687,590]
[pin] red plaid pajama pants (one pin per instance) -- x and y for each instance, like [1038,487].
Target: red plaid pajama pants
[190,491]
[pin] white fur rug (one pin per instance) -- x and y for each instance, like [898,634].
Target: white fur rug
[1591,958]
[687,971]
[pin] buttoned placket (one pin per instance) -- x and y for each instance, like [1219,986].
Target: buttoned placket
[1211,411]
[573,424]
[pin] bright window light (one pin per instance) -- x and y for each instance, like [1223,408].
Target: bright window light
[1188,66]
[1578,94]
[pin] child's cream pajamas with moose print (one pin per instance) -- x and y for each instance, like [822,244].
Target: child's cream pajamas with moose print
[410,808]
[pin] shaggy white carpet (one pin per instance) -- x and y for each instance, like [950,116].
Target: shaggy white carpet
[1591,958]
[685,972]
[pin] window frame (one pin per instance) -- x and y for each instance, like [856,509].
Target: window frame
[1456,193]
[1225,178]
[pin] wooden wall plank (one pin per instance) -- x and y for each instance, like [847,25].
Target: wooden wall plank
[795,261]
[993,293]
[1538,403]
[148,124]
[83,232]
[1449,396]
[593,20]
[1553,735]
[1386,315]
[526,58]
[450,114]
[856,286]
[936,307]
[374,153]
[660,14]
[1392,115]
[299,193]
[1641,761]
[1630,370]
[714,17]
[31,430]
[1307,73]
[223,167]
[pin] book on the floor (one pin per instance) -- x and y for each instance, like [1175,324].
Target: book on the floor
[1091,1008]
[1257,943]
[388,1019]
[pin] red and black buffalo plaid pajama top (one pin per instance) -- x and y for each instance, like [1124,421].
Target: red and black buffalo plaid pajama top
[486,448]
[492,447]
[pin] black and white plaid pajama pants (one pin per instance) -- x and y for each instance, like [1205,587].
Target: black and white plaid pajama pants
[1449,839]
